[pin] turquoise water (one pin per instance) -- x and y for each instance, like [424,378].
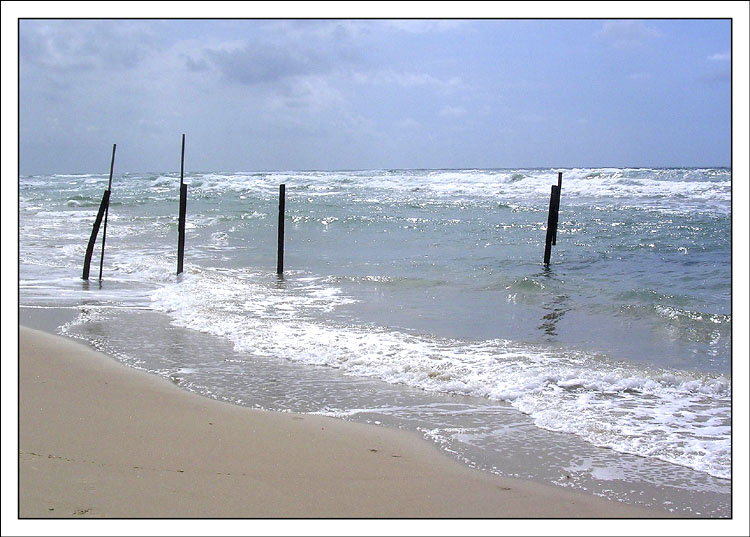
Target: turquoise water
[426,281]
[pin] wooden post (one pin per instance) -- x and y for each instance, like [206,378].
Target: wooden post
[183,210]
[106,209]
[181,228]
[280,250]
[551,223]
[94,233]
[182,162]
[557,206]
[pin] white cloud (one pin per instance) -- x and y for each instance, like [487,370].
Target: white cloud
[409,80]
[452,111]
[408,123]
[86,45]
[627,34]
[720,57]
[306,31]
[426,26]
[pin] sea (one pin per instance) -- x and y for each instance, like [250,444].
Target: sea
[419,300]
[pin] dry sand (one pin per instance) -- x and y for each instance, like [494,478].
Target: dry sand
[99,439]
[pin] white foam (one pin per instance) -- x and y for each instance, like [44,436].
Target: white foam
[674,416]
[677,190]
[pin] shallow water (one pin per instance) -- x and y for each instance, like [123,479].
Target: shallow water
[417,299]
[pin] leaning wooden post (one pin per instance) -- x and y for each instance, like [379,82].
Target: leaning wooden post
[94,232]
[557,206]
[551,223]
[280,250]
[106,209]
[183,210]
[103,208]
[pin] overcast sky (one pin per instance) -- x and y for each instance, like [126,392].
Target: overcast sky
[367,94]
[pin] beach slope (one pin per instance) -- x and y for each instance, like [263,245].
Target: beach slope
[99,439]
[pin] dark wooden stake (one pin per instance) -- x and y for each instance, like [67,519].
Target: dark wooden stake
[94,233]
[280,256]
[557,206]
[183,210]
[551,223]
[181,228]
[182,162]
[106,209]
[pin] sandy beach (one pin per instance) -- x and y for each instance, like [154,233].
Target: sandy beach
[99,439]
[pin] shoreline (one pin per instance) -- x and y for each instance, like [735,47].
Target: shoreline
[100,439]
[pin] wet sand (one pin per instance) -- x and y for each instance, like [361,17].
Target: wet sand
[99,439]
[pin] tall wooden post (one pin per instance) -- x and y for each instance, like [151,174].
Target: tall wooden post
[106,209]
[280,249]
[557,206]
[551,223]
[183,210]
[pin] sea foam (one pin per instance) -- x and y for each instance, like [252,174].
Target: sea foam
[676,416]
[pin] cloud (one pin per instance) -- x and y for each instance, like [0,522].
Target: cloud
[532,118]
[452,111]
[408,123]
[196,66]
[85,45]
[720,69]
[282,50]
[720,57]
[308,31]
[627,34]
[426,26]
[715,77]
[255,64]
[409,80]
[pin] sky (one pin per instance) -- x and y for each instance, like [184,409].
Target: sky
[254,95]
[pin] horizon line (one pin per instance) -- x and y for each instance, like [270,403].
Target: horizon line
[304,170]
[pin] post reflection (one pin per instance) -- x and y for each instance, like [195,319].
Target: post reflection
[556,307]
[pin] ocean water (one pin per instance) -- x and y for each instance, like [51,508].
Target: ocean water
[418,299]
